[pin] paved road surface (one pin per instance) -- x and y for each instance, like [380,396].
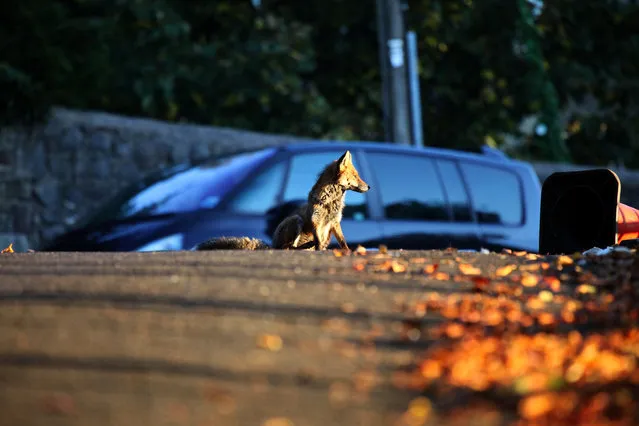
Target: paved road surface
[209,338]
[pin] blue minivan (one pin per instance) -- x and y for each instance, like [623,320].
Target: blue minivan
[420,198]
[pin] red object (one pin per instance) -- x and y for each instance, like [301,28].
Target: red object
[627,223]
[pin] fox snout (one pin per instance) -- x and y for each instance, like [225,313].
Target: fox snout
[361,186]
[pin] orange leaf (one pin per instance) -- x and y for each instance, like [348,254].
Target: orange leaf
[586,289]
[480,283]
[383,267]
[429,269]
[454,330]
[546,318]
[8,249]
[468,269]
[441,276]
[271,342]
[536,406]
[564,260]
[529,280]
[553,283]
[431,369]
[505,270]
[398,267]
[359,266]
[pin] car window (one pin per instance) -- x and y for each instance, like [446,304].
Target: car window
[260,194]
[455,190]
[303,173]
[495,193]
[409,187]
[182,189]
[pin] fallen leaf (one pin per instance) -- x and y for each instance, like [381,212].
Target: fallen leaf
[441,276]
[564,260]
[454,330]
[398,267]
[468,269]
[505,270]
[535,406]
[383,267]
[271,342]
[529,280]
[429,269]
[431,369]
[8,249]
[480,284]
[359,266]
[553,283]
[420,408]
[586,289]
[545,296]
[360,250]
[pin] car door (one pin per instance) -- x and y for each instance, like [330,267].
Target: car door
[245,212]
[465,231]
[358,225]
[497,199]
[416,203]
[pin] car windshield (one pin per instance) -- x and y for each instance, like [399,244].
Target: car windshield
[182,189]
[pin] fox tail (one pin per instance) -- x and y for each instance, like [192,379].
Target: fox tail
[232,243]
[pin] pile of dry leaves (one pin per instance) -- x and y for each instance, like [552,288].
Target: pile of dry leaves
[537,340]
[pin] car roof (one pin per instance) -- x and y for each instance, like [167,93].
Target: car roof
[487,154]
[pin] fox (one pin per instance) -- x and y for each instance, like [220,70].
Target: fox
[311,225]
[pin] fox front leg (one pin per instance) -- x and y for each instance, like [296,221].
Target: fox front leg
[321,232]
[339,236]
[322,238]
[316,222]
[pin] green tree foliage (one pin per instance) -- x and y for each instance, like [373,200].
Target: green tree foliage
[312,68]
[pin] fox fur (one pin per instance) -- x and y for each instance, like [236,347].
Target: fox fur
[313,223]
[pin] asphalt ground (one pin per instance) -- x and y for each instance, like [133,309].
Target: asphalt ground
[281,338]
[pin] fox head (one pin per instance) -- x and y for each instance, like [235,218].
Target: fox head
[347,175]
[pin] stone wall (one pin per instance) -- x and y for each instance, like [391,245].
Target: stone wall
[54,174]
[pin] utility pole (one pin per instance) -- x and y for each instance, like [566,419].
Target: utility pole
[417,135]
[391,36]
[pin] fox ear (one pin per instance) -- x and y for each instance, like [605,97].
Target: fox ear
[345,160]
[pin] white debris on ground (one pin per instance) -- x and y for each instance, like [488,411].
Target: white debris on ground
[596,251]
